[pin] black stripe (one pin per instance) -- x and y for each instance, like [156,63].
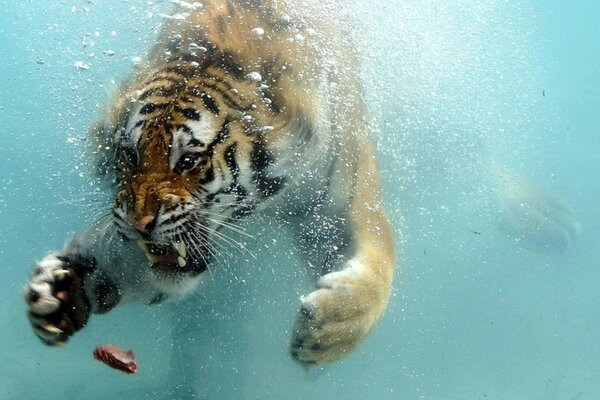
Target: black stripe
[262,159]
[214,80]
[223,132]
[221,137]
[226,95]
[229,64]
[119,222]
[162,79]
[122,236]
[209,177]
[274,102]
[137,125]
[158,92]
[211,196]
[209,103]
[202,61]
[180,69]
[184,128]
[231,162]
[175,218]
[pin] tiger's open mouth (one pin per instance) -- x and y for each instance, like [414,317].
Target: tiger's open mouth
[171,258]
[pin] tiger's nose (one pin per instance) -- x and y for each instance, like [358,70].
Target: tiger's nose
[145,224]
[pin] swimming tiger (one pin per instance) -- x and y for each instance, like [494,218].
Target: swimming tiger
[241,107]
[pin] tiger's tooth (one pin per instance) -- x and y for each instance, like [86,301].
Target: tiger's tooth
[52,329]
[181,261]
[60,273]
[181,249]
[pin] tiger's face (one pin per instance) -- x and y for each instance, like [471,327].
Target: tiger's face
[187,169]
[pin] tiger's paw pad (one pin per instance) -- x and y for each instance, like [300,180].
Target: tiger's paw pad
[334,319]
[56,304]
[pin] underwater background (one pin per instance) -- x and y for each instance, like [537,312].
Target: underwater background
[489,137]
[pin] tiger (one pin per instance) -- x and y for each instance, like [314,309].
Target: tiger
[241,107]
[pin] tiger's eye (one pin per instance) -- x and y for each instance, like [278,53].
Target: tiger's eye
[148,108]
[191,113]
[186,163]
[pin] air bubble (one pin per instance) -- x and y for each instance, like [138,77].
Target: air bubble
[80,65]
[257,32]
[254,76]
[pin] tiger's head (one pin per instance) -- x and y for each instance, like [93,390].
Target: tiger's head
[191,158]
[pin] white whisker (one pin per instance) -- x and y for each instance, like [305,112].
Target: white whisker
[233,227]
[225,238]
[196,249]
[205,239]
[209,240]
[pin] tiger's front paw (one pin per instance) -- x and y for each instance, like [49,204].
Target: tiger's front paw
[56,302]
[335,318]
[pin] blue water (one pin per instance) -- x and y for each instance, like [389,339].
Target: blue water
[482,105]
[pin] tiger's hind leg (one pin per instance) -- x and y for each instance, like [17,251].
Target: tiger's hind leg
[347,303]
